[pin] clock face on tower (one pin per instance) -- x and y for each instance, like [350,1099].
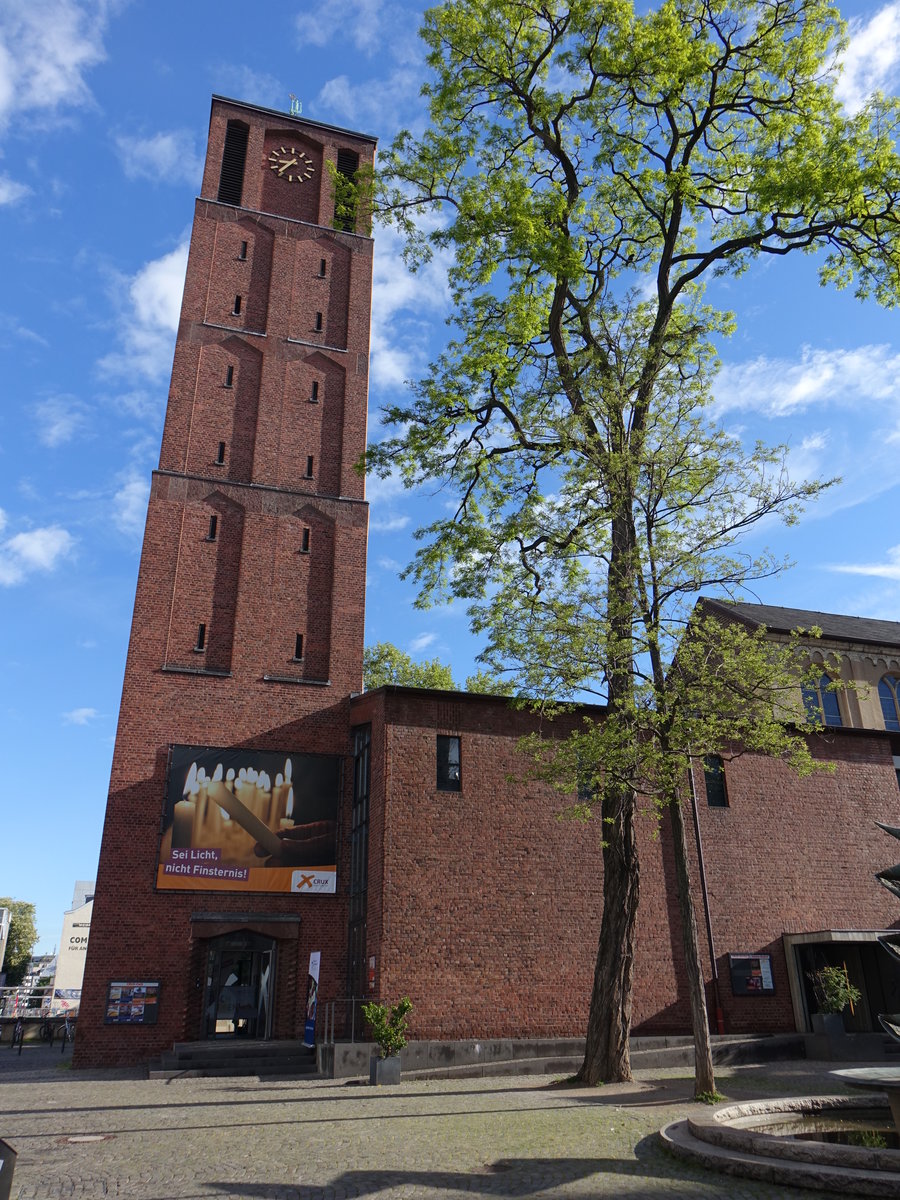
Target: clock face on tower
[290,164]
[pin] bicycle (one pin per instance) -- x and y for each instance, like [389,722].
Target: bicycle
[47,1030]
[68,1033]
[18,1035]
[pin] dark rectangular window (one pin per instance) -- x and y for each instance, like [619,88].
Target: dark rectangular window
[304,542]
[201,637]
[318,322]
[714,775]
[298,646]
[237,306]
[220,457]
[309,467]
[234,158]
[213,525]
[323,265]
[314,395]
[449,778]
[243,254]
[229,376]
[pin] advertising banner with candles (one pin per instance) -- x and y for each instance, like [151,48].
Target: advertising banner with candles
[250,821]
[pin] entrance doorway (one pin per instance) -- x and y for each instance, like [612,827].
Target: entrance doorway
[239,977]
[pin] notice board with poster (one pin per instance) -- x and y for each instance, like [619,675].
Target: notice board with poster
[244,820]
[751,974]
[132,1002]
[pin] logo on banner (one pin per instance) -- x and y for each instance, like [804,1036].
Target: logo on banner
[312,881]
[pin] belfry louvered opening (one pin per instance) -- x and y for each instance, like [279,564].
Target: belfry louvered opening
[234,158]
[345,206]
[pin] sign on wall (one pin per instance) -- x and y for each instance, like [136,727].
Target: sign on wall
[751,974]
[250,821]
[132,1002]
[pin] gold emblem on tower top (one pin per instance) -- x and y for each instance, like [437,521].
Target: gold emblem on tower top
[290,164]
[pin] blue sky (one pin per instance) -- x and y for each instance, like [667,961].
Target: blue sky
[104,107]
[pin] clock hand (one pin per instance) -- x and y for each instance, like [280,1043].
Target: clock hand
[285,166]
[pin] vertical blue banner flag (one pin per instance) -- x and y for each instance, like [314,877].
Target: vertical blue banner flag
[312,999]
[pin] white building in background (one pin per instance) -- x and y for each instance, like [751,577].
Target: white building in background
[73,948]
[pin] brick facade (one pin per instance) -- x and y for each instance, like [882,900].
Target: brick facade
[480,904]
[249,441]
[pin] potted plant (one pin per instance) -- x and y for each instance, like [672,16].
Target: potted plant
[388,1025]
[834,992]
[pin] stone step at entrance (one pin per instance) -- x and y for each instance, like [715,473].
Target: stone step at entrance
[287,1059]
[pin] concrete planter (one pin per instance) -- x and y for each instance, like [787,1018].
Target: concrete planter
[384,1070]
[830,1023]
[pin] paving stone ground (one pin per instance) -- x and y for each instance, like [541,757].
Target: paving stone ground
[114,1134]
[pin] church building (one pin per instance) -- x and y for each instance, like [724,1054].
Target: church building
[265,814]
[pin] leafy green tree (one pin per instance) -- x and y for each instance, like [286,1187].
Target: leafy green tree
[22,937]
[593,169]
[385,663]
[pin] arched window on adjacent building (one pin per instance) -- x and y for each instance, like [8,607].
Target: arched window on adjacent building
[888,691]
[821,705]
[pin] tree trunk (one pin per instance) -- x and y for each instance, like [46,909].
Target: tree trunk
[606,1056]
[704,1079]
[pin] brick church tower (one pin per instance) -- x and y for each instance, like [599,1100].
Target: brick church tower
[226,826]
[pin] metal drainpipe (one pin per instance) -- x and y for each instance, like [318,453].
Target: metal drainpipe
[720,1016]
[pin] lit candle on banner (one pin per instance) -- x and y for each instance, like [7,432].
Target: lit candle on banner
[200,802]
[263,799]
[277,801]
[287,821]
[212,821]
[243,817]
[185,811]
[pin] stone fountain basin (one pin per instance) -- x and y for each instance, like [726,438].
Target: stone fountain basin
[719,1140]
[728,1127]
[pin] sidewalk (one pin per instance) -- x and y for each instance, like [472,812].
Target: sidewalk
[112,1133]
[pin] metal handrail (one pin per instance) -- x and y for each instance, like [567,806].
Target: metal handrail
[342,1020]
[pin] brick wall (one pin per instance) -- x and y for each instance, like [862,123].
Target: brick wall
[243,442]
[485,906]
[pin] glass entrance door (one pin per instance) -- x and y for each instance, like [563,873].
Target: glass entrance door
[239,976]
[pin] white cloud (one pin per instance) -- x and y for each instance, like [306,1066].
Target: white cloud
[164,157]
[422,642]
[778,387]
[401,305]
[871,59]
[33,551]
[149,322]
[12,192]
[79,716]
[388,524]
[889,569]
[256,87]
[384,104]
[46,49]
[11,325]
[59,419]
[130,505]
[358,20]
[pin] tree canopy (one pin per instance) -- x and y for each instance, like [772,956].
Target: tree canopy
[593,169]
[22,937]
[385,663]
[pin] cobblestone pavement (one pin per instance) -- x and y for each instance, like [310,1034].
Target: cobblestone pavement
[112,1133]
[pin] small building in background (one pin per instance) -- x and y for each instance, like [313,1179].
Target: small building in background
[73,944]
